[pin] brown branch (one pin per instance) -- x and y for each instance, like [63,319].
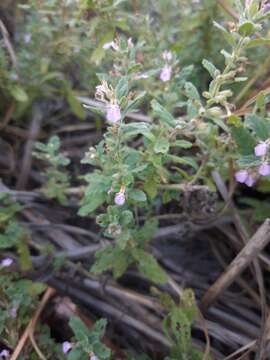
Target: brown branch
[32,323]
[251,250]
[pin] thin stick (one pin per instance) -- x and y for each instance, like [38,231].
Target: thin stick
[251,250]
[32,323]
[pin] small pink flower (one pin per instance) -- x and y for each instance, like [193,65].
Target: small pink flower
[266,8]
[264,169]
[241,176]
[120,198]
[166,73]
[113,114]
[261,149]
[4,354]
[248,3]
[250,181]
[66,346]
[6,262]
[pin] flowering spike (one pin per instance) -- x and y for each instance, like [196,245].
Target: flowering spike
[261,149]
[166,73]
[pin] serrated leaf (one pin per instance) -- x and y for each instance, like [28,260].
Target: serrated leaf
[184,160]
[184,144]
[161,146]
[75,105]
[191,91]
[213,71]
[91,204]
[19,93]
[137,195]
[110,258]
[257,42]
[79,329]
[259,125]
[227,35]
[247,28]
[149,266]
[244,140]
[162,113]
[122,87]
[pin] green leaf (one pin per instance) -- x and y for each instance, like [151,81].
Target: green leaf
[79,329]
[213,71]
[149,266]
[247,28]
[137,195]
[244,140]
[19,93]
[122,87]
[184,160]
[75,105]
[76,354]
[257,42]
[110,258]
[259,125]
[132,104]
[90,204]
[191,91]
[227,35]
[163,114]
[184,144]
[161,146]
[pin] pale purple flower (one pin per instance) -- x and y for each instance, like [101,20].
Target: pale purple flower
[266,8]
[241,176]
[264,169]
[93,357]
[27,38]
[4,354]
[113,114]
[167,55]
[250,181]
[66,346]
[13,312]
[6,262]
[166,73]
[130,43]
[111,44]
[261,149]
[120,198]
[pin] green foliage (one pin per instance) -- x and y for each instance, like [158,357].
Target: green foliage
[88,342]
[57,180]
[177,326]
